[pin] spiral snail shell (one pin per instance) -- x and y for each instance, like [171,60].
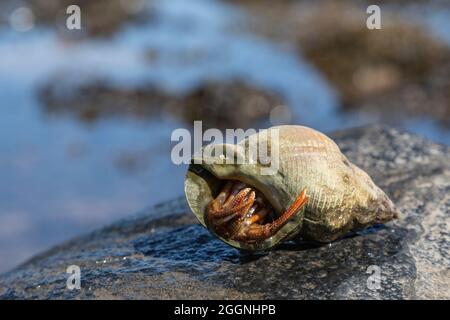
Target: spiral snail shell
[315,192]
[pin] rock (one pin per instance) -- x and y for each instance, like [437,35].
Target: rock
[93,100]
[397,72]
[164,253]
[228,104]
[219,104]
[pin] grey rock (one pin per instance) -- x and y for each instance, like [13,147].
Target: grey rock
[163,253]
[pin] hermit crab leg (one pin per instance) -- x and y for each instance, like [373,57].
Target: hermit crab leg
[224,194]
[245,207]
[257,216]
[261,232]
[236,188]
[235,204]
[241,210]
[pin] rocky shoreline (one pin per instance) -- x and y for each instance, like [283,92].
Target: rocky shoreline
[163,253]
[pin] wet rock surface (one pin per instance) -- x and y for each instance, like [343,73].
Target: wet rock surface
[163,252]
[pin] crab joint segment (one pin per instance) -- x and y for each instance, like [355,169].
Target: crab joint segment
[238,213]
[255,232]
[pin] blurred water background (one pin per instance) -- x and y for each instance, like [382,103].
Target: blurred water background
[86,115]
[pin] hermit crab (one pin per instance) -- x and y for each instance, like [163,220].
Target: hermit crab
[313,190]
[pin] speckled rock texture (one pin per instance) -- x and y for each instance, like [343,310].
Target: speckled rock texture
[163,253]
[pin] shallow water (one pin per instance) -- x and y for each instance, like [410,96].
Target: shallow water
[61,176]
